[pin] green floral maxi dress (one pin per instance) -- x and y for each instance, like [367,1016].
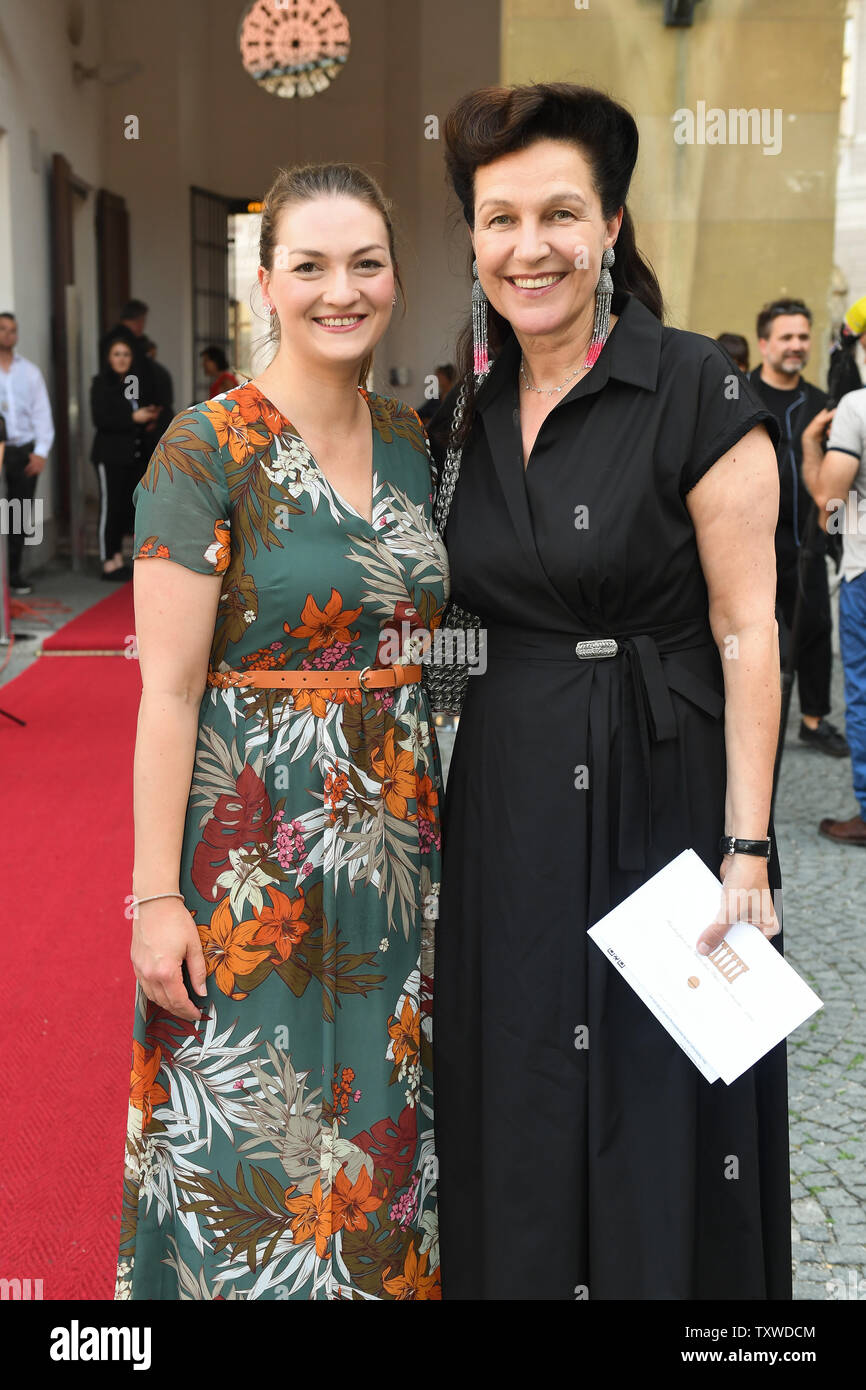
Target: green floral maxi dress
[284,1147]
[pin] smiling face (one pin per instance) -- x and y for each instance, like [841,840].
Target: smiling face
[539,236]
[786,347]
[332,280]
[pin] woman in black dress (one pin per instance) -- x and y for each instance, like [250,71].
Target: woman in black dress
[117,453]
[581,1153]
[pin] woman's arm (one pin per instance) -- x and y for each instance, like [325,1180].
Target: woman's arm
[175,611]
[734,509]
[110,409]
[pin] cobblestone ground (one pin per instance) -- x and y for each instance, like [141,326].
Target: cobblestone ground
[824,908]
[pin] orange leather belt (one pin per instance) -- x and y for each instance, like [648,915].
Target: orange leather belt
[370,678]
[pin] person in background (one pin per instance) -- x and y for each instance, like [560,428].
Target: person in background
[737,348]
[163,391]
[216,368]
[117,453]
[25,407]
[130,330]
[784,331]
[446,375]
[847,370]
[840,476]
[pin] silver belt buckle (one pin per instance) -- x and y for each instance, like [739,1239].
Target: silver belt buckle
[597,646]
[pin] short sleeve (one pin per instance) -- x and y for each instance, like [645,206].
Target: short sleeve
[848,430]
[726,407]
[182,510]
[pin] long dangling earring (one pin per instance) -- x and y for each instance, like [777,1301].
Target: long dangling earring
[480,355]
[603,295]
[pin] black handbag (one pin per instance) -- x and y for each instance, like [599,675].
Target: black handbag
[446,667]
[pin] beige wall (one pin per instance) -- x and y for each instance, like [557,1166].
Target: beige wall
[203,121]
[725,226]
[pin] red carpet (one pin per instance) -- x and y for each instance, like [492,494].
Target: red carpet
[67,982]
[103,630]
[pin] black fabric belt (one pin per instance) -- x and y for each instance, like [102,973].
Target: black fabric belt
[650,672]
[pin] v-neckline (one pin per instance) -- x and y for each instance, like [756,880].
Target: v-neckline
[321,472]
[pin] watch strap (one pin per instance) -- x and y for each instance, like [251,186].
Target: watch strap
[729,844]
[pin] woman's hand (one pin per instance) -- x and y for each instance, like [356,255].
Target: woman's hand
[746,897]
[164,934]
[145,413]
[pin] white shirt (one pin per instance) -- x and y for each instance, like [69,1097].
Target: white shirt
[848,435]
[25,406]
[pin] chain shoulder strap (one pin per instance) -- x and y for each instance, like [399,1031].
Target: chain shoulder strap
[447,482]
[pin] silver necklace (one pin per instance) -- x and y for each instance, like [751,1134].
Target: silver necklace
[544,390]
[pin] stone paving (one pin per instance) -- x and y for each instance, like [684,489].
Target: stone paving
[824,907]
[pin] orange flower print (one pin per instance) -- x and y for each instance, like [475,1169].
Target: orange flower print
[341,1091]
[255,407]
[405,1031]
[231,429]
[224,946]
[145,1091]
[315,700]
[327,625]
[413,1282]
[336,783]
[395,768]
[281,923]
[351,1202]
[427,797]
[151,550]
[312,1217]
[219,552]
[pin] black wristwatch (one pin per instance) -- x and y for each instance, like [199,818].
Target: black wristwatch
[728,844]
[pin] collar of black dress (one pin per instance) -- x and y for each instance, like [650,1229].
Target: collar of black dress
[631,354]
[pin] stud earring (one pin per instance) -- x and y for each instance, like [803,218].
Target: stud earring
[394,300]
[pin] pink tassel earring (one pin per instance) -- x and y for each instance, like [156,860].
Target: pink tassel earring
[603,296]
[481,359]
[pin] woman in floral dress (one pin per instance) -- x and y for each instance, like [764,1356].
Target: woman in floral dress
[280,1140]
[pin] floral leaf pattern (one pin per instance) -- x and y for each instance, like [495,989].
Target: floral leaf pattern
[283,1147]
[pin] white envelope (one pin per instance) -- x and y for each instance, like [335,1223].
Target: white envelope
[725,1010]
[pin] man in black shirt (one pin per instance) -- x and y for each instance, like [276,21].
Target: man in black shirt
[784,337]
[163,396]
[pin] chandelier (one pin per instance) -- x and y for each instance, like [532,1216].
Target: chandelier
[293,47]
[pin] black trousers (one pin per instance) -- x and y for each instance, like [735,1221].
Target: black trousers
[20,486]
[814,660]
[117,482]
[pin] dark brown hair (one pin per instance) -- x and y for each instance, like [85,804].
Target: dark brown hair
[306,181]
[495,121]
[777,309]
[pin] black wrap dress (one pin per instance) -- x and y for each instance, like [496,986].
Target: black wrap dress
[581,1153]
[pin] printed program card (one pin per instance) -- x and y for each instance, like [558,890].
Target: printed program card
[727,1009]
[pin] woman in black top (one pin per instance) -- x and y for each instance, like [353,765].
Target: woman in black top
[581,1153]
[117,453]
